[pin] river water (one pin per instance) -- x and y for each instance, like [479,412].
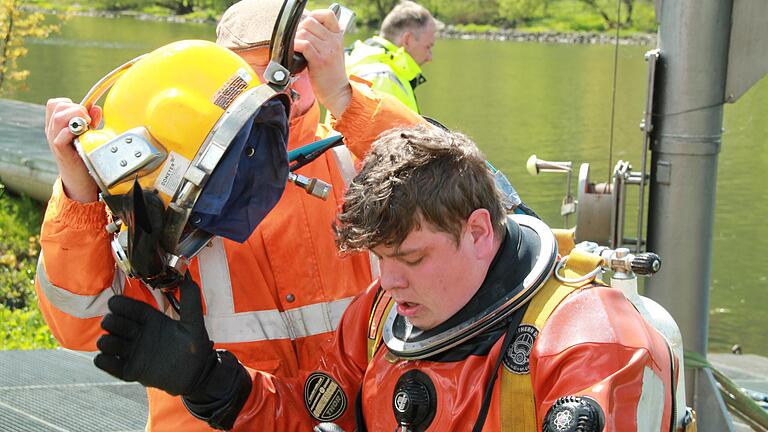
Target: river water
[516,99]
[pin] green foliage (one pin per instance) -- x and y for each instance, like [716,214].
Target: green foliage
[16,25]
[156,11]
[24,329]
[476,28]
[530,15]
[574,16]
[546,15]
[120,5]
[588,24]
[578,16]
[21,323]
[521,10]
[464,12]
[644,17]
[19,246]
[204,14]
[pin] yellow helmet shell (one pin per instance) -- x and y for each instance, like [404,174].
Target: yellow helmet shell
[177,94]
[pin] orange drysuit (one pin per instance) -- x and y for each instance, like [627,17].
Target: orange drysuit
[591,344]
[273,301]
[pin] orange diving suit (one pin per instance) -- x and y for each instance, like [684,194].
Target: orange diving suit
[527,352]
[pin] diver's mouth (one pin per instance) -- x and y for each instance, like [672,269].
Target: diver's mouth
[408,309]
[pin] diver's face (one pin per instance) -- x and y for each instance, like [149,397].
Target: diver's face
[429,276]
[258,59]
[419,43]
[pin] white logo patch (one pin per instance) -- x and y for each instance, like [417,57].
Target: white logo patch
[517,357]
[171,174]
[402,401]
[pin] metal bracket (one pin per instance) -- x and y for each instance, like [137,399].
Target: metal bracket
[127,154]
[281,47]
[277,74]
[647,126]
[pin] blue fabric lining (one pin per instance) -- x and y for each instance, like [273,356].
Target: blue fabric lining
[247,183]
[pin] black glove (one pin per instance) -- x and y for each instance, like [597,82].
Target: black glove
[142,344]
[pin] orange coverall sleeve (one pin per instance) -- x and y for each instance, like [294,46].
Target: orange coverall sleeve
[368,115]
[281,403]
[597,345]
[76,272]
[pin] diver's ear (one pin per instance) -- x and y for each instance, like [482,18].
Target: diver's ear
[480,229]
[406,39]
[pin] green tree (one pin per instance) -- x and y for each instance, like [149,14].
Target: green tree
[119,5]
[464,12]
[371,12]
[516,11]
[16,26]
[383,7]
[607,9]
[179,7]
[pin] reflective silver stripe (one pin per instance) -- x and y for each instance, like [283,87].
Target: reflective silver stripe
[246,327]
[79,306]
[345,163]
[375,269]
[367,71]
[650,408]
[348,172]
[215,280]
[226,326]
[272,324]
[316,318]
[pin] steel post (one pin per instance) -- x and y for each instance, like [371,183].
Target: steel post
[693,39]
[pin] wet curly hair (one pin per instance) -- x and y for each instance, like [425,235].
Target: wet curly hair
[412,175]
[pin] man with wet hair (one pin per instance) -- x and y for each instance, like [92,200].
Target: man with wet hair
[392,60]
[467,327]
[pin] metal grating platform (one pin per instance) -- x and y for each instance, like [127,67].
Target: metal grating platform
[61,390]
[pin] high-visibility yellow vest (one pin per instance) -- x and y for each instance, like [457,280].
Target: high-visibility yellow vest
[390,68]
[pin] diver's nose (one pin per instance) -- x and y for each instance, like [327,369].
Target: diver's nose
[391,277]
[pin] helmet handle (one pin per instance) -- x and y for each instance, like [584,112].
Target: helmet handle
[105,83]
[283,61]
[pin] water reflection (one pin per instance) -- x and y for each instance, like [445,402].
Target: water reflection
[515,99]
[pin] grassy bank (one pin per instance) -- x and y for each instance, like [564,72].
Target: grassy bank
[471,16]
[21,323]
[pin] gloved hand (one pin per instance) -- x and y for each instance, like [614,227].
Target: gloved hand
[142,344]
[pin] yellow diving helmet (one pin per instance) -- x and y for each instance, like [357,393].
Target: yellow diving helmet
[193,145]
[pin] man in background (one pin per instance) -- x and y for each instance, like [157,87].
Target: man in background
[392,60]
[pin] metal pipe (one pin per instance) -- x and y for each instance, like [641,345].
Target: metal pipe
[693,39]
